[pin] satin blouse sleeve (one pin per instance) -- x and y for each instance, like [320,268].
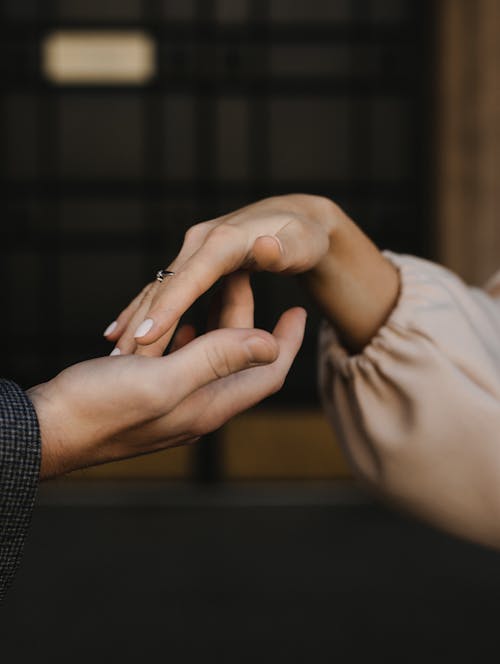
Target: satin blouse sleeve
[418,410]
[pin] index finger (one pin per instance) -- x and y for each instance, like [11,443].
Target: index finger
[224,251]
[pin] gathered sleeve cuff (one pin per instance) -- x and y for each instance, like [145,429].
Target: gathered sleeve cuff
[418,410]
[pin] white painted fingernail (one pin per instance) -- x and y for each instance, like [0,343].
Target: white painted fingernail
[116,351]
[144,328]
[111,328]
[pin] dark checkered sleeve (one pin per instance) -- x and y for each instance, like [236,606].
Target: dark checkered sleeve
[19,475]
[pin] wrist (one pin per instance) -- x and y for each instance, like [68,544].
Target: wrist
[355,286]
[51,448]
[319,209]
[340,229]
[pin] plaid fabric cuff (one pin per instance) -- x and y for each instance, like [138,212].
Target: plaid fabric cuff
[20,451]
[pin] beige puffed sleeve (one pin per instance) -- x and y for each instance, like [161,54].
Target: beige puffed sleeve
[418,411]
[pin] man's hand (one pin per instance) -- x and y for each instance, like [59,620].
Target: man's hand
[117,407]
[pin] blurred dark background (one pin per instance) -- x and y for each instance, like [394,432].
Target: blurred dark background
[254,544]
[248,100]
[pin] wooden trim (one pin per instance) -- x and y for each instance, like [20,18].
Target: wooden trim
[468,137]
[173,464]
[293,445]
[259,445]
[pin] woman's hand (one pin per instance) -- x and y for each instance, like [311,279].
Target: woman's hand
[287,234]
[352,282]
[117,407]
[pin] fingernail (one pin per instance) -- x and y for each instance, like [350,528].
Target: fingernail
[261,352]
[144,328]
[111,328]
[116,351]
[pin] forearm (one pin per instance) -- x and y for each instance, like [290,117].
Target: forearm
[354,284]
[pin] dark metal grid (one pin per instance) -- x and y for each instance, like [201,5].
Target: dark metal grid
[205,61]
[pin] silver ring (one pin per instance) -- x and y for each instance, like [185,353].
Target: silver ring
[161,274]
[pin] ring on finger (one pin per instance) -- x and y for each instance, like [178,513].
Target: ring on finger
[161,274]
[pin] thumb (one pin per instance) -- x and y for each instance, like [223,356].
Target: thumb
[295,248]
[215,355]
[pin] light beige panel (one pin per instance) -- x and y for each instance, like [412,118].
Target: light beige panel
[288,444]
[259,445]
[468,137]
[98,57]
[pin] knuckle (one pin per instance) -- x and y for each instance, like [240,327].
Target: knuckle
[153,397]
[225,233]
[149,395]
[195,233]
[218,361]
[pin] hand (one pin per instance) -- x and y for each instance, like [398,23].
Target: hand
[288,234]
[117,407]
[355,286]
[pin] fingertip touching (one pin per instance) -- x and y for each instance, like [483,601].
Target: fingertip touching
[268,251]
[262,349]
